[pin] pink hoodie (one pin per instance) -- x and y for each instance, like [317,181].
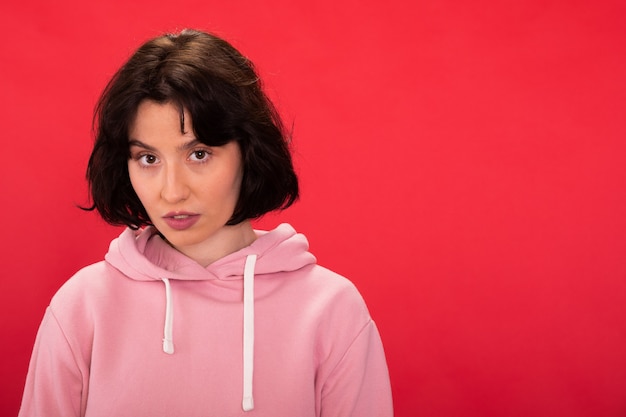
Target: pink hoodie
[261,332]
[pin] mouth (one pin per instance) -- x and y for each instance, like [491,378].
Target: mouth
[179,215]
[180,220]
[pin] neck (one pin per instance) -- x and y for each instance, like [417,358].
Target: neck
[227,240]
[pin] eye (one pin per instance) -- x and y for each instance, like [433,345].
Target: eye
[199,155]
[147,159]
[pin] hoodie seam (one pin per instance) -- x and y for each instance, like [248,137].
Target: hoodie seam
[348,349]
[70,347]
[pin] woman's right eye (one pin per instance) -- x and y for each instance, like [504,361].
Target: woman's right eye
[147,159]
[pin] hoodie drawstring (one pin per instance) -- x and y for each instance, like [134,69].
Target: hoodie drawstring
[248,332]
[168,343]
[248,328]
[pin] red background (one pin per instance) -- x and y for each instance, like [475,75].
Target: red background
[461,161]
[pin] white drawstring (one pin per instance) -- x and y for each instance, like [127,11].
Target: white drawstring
[248,328]
[168,343]
[248,332]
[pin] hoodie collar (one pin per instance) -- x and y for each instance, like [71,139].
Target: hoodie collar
[144,256]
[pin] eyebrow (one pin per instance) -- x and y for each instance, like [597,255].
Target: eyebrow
[182,147]
[140,144]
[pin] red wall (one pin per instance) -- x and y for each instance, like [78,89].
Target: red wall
[461,162]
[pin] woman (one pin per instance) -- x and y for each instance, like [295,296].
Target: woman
[192,312]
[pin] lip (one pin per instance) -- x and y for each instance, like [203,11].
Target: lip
[180,220]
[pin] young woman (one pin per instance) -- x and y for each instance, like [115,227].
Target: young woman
[192,312]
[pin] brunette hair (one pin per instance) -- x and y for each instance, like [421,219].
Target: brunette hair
[219,87]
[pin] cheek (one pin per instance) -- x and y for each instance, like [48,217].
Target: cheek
[235,189]
[238,181]
[139,185]
[132,175]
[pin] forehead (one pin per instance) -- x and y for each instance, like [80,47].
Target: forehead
[156,119]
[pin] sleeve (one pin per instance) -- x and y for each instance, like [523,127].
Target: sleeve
[54,383]
[359,385]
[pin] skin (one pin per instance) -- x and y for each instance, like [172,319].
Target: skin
[175,174]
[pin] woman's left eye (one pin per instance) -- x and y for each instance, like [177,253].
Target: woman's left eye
[199,155]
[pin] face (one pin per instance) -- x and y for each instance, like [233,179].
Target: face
[188,189]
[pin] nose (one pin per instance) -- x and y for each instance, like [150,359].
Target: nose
[174,186]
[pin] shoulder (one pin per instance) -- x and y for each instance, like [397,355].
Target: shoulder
[86,279]
[77,295]
[337,299]
[334,284]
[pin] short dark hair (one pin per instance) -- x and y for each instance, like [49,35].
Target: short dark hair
[219,87]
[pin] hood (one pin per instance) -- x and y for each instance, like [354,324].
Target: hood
[144,256]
